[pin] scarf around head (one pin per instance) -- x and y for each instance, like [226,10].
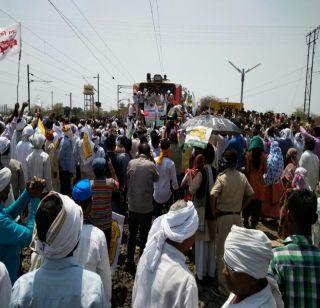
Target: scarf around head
[175,225]
[256,142]
[248,251]
[5,178]
[300,179]
[275,164]
[64,233]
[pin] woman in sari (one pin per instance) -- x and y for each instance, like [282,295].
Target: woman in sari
[299,181]
[255,168]
[291,165]
[286,179]
[273,188]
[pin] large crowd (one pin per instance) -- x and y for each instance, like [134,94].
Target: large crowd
[62,178]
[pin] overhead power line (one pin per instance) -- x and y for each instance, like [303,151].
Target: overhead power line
[59,90]
[273,88]
[105,44]
[75,30]
[156,38]
[270,81]
[48,43]
[159,29]
[52,58]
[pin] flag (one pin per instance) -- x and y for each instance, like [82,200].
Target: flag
[194,105]
[10,42]
[86,147]
[41,128]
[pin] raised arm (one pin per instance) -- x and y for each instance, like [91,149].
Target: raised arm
[18,206]
[11,123]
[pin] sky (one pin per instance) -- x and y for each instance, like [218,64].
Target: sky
[190,41]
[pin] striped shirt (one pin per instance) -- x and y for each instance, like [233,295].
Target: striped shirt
[296,267]
[101,211]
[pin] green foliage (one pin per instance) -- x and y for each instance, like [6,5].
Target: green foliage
[58,109]
[77,111]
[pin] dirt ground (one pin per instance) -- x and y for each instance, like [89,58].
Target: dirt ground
[122,281]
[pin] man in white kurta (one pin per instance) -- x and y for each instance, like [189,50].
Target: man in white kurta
[52,149]
[24,148]
[92,250]
[247,256]
[60,281]
[163,278]
[85,163]
[5,286]
[38,162]
[310,162]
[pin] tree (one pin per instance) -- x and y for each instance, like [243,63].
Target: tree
[206,101]
[58,109]
[299,112]
[77,111]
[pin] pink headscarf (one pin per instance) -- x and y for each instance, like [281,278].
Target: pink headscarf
[299,180]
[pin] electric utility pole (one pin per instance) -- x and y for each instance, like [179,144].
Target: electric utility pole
[70,103]
[98,92]
[243,73]
[52,100]
[311,39]
[98,89]
[28,80]
[33,80]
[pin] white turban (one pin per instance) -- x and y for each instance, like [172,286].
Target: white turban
[248,251]
[28,131]
[5,178]
[38,140]
[84,130]
[4,144]
[64,233]
[175,225]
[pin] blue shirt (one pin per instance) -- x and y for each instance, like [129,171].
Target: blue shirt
[14,236]
[66,155]
[237,143]
[59,283]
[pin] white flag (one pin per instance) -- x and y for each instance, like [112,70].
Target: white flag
[10,40]
[195,106]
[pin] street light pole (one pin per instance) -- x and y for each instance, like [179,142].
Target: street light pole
[243,73]
[242,83]
[70,103]
[118,92]
[28,79]
[52,100]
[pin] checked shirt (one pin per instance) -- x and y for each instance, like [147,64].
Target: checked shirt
[296,268]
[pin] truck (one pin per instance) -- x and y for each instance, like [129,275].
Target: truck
[155,97]
[161,85]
